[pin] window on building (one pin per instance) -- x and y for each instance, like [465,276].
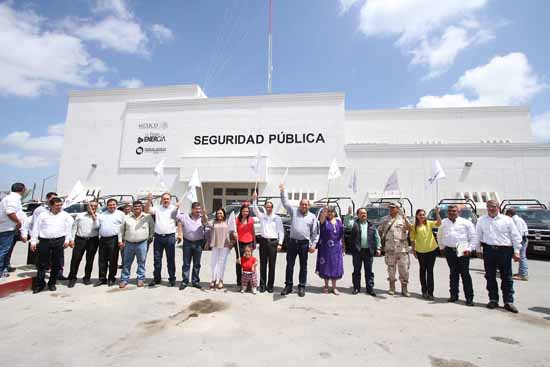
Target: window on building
[289,196]
[311,196]
[304,195]
[296,196]
[218,191]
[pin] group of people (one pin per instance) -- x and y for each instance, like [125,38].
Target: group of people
[497,238]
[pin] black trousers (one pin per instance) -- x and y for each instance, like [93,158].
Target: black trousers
[83,245]
[459,267]
[49,248]
[426,261]
[296,248]
[239,254]
[362,259]
[499,257]
[108,257]
[268,257]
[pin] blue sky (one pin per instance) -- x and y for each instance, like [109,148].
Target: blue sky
[381,53]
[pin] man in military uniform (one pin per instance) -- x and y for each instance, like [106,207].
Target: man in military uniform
[393,234]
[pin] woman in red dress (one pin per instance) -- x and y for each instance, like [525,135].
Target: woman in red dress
[245,237]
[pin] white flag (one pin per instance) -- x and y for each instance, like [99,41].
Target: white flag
[159,172]
[231,222]
[334,171]
[284,177]
[392,184]
[195,181]
[437,173]
[77,194]
[191,194]
[353,182]
[256,164]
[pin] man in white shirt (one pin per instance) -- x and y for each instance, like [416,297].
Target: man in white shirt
[109,228]
[523,272]
[165,237]
[458,234]
[271,240]
[135,234]
[85,239]
[500,241]
[9,222]
[51,233]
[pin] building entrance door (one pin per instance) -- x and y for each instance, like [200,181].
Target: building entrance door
[230,194]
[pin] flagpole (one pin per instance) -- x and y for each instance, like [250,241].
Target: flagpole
[328,191]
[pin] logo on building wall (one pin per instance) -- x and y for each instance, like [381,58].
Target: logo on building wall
[153,125]
[151,139]
[139,150]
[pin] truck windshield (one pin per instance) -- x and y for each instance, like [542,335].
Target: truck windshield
[535,215]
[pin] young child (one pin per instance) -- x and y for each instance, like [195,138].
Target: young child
[248,265]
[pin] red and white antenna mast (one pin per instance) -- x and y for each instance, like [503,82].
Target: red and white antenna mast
[269,54]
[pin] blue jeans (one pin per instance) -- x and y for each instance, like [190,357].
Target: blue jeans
[523,269]
[500,258]
[6,240]
[192,250]
[300,249]
[164,243]
[131,250]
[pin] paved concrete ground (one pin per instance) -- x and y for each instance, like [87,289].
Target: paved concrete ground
[87,326]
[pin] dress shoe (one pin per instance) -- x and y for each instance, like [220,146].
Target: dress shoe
[99,283]
[197,285]
[469,303]
[171,283]
[122,285]
[61,277]
[521,277]
[140,283]
[183,286]
[154,282]
[262,289]
[425,295]
[110,282]
[301,291]
[37,290]
[371,292]
[11,269]
[492,305]
[52,287]
[286,291]
[269,290]
[71,284]
[430,297]
[510,307]
[86,281]
[452,300]
[355,291]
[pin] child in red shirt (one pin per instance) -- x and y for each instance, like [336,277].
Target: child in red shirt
[248,265]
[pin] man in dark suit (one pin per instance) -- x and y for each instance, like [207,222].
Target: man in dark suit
[365,244]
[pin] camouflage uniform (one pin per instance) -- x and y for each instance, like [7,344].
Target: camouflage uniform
[396,248]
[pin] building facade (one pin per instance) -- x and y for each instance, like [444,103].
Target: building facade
[115,138]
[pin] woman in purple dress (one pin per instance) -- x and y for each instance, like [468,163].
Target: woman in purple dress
[330,262]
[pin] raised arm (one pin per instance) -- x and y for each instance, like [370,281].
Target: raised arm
[437,216]
[148,203]
[285,201]
[255,208]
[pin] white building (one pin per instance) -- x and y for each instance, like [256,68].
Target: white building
[114,138]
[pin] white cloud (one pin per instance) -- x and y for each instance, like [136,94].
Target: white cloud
[433,32]
[118,7]
[24,141]
[541,127]
[505,80]
[118,34]
[439,54]
[131,83]
[34,58]
[162,33]
[345,5]
[56,129]
[413,19]
[29,161]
